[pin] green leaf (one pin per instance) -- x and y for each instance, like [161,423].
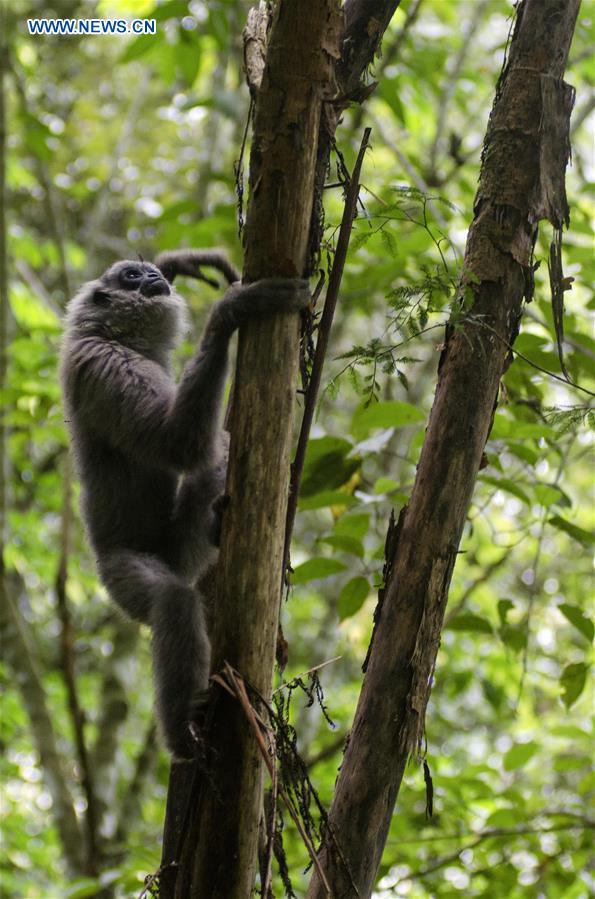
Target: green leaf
[518,755]
[355,526]
[36,135]
[503,817]
[577,617]
[467,621]
[501,426]
[570,763]
[514,636]
[82,887]
[352,597]
[31,313]
[504,607]
[315,569]
[327,465]
[508,486]
[571,732]
[385,485]
[532,429]
[587,784]
[573,681]
[345,544]
[391,414]
[326,498]
[171,9]
[548,495]
[505,426]
[187,56]
[578,534]
[138,47]
[523,451]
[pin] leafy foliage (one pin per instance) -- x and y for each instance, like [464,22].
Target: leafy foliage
[125,146]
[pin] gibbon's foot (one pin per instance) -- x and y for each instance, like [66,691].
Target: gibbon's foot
[197,719]
[184,749]
[187,747]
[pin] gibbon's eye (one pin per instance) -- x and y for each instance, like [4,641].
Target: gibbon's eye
[130,275]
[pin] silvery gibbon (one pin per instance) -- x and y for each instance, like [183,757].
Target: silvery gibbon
[151,453]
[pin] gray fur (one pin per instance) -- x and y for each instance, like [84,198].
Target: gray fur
[151,454]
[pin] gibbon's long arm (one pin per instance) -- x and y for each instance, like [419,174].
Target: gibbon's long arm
[189,263]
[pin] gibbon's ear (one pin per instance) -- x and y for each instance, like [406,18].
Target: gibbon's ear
[101,297]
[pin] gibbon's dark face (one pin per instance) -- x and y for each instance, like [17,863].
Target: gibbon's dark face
[139,276]
[132,303]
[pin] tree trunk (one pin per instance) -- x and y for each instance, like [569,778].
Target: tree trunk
[220,850]
[525,152]
[365,23]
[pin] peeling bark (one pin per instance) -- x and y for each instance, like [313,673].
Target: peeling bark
[267,256]
[522,180]
[220,851]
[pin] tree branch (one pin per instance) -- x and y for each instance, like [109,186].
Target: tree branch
[67,666]
[522,180]
[114,708]
[302,47]
[17,650]
[324,330]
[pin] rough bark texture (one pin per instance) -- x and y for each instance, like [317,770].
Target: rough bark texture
[221,846]
[522,180]
[371,18]
[365,24]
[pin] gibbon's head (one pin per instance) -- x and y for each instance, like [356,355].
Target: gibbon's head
[132,304]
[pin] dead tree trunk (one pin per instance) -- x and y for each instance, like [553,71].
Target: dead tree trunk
[220,850]
[526,149]
[276,234]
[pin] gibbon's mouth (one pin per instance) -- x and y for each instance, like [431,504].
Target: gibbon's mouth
[152,287]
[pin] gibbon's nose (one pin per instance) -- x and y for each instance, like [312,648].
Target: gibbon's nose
[153,284]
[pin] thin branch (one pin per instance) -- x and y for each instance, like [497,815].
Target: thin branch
[324,329]
[451,84]
[485,575]
[36,286]
[575,344]
[328,751]
[415,176]
[114,705]
[18,651]
[67,640]
[97,220]
[490,833]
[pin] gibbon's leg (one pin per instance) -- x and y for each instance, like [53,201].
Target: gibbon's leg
[181,663]
[196,523]
[146,589]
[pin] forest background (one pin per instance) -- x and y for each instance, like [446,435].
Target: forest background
[117,146]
